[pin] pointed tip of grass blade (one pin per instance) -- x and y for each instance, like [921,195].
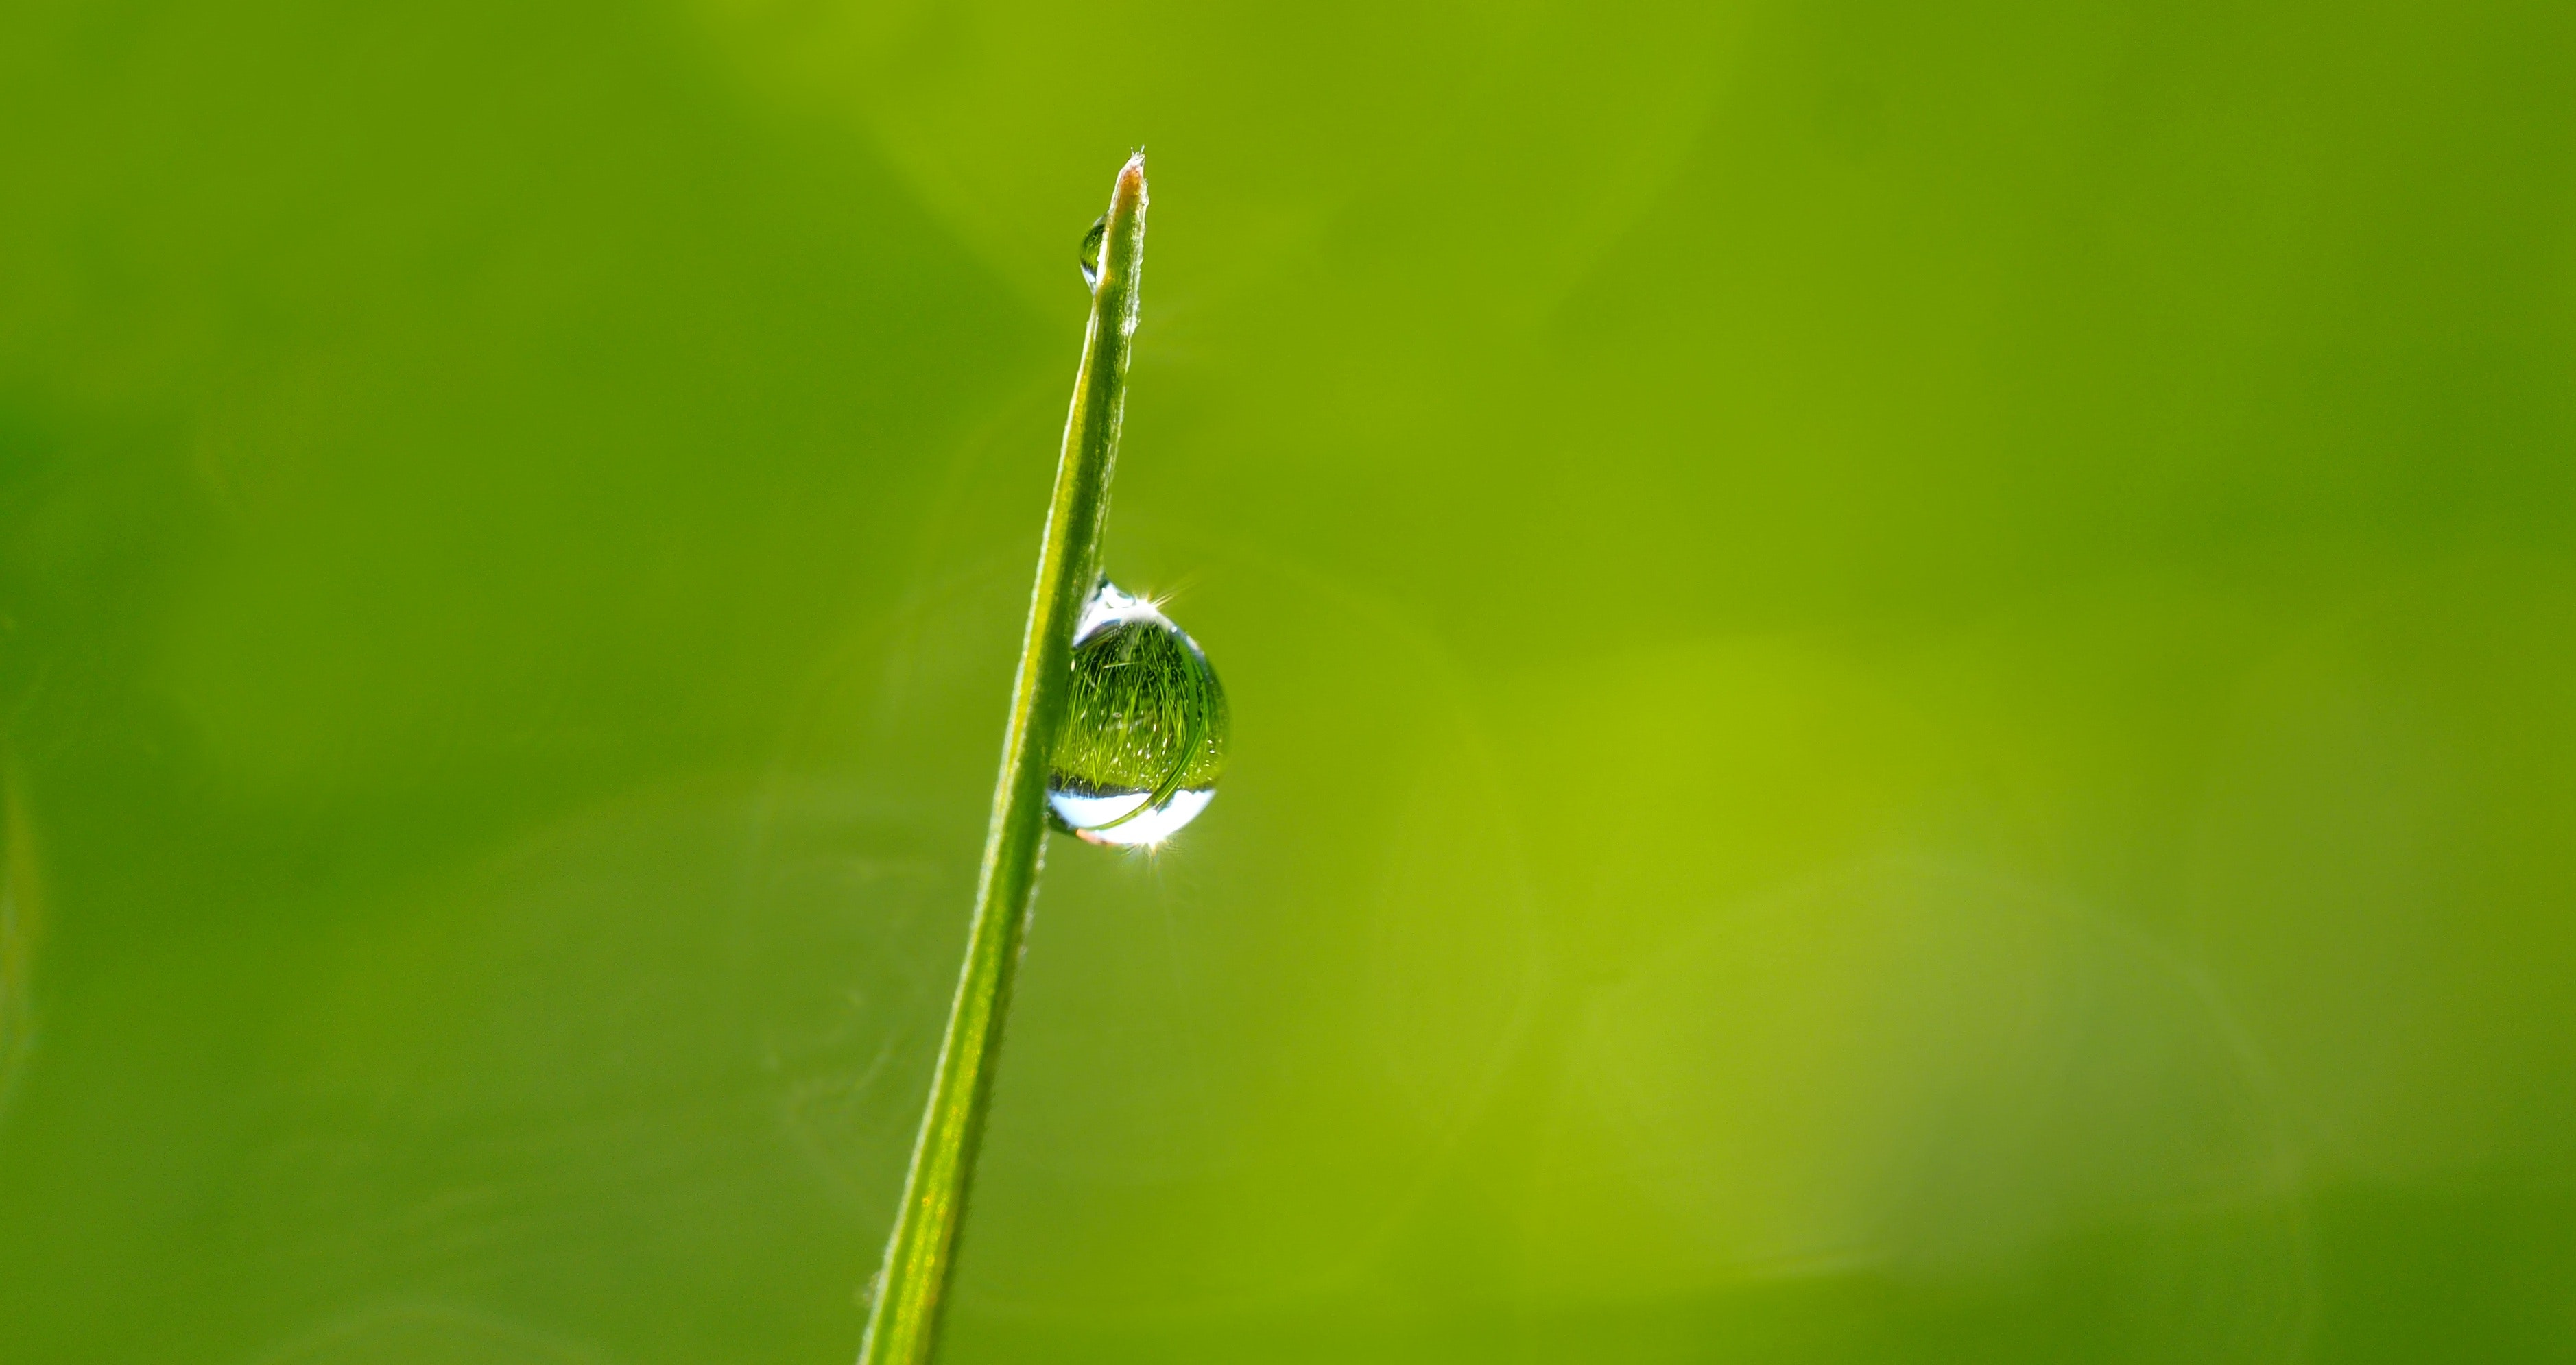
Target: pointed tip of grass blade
[1131,179]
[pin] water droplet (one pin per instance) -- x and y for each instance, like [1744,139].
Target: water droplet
[1144,738]
[1091,252]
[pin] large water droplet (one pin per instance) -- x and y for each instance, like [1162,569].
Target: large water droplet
[1144,738]
[1091,252]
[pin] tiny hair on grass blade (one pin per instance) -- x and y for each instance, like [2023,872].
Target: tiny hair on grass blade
[912,1287]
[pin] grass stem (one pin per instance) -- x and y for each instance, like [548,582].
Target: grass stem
[904,1318]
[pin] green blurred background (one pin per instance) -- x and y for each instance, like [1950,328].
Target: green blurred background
[1904,677]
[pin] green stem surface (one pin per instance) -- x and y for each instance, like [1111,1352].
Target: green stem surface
[912,1289]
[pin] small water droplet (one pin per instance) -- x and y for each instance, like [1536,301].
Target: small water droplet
[1091,252]
[1144,737]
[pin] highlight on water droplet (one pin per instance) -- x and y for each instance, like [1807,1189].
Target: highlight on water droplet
[1144,737]
[1091,242]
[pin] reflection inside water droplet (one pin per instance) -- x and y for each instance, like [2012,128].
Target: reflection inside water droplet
[1091,252]
[1144,736]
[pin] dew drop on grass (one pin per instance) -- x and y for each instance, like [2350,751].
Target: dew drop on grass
[1091,252]
[1144,737]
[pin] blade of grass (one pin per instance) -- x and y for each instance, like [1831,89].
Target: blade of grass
[903,1321]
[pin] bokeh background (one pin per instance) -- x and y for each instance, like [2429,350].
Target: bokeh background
[1905,678]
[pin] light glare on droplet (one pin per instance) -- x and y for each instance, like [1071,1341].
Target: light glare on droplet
[1152,827]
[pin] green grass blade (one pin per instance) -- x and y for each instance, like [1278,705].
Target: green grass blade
[903,1322]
